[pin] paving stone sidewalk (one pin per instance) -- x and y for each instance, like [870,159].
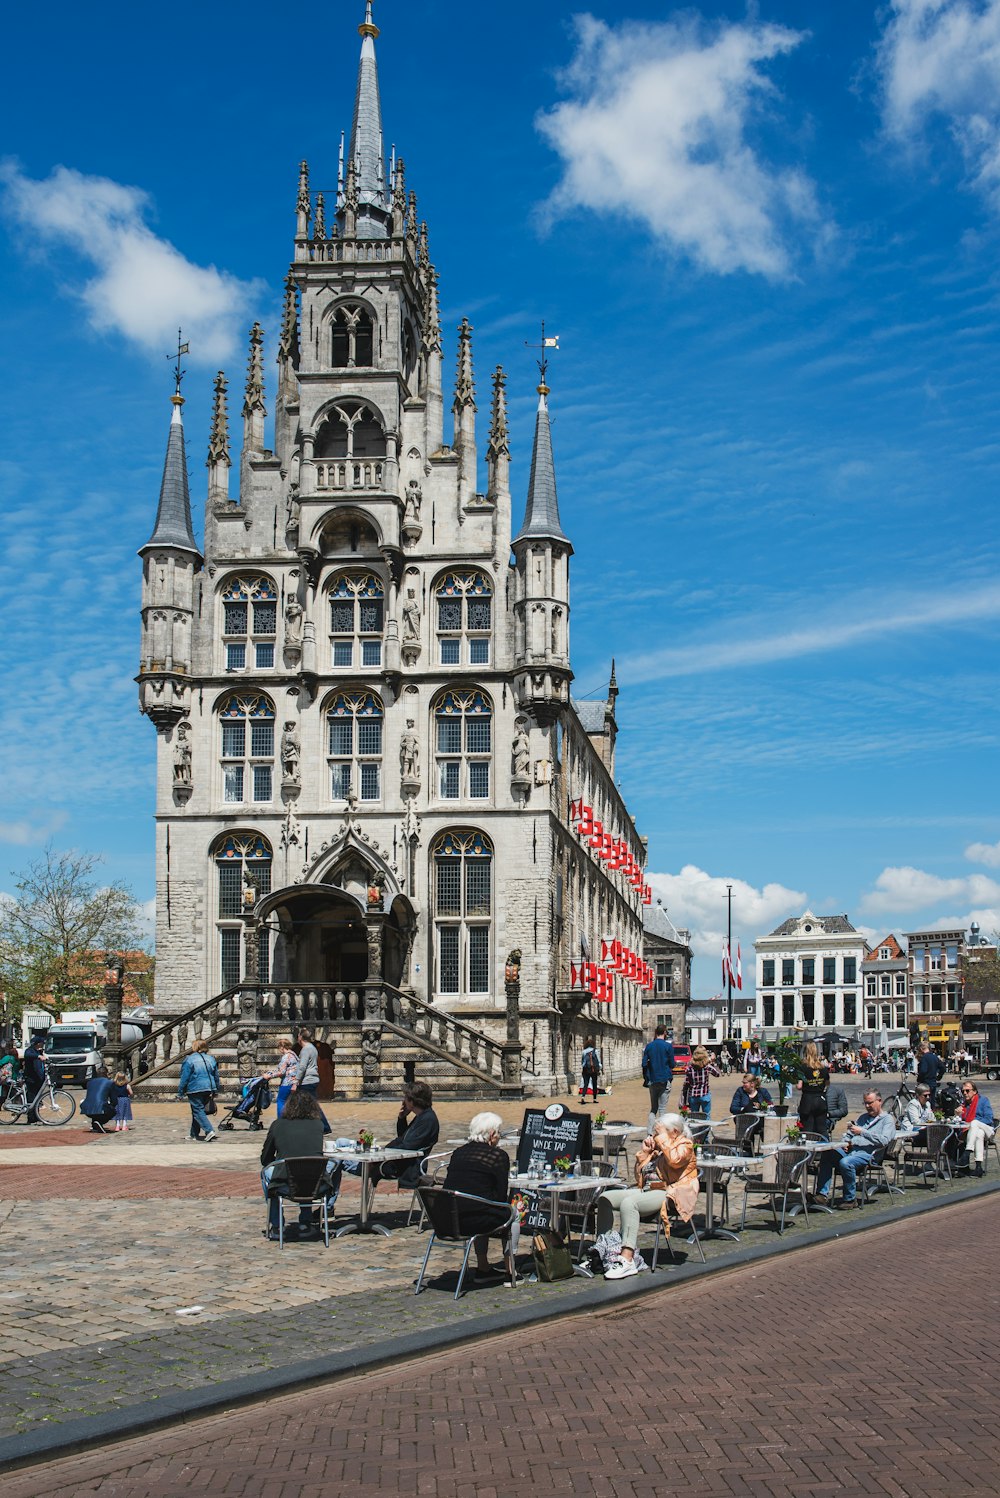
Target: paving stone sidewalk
[762,1383]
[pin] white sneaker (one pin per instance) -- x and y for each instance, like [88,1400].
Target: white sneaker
[623,1270]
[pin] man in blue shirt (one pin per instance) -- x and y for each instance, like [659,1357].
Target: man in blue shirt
[874,1130]
[658,1072]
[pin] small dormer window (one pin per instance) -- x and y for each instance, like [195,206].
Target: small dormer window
[352,343]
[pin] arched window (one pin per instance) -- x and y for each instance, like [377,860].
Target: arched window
[462,863]
[242,861]
[464,619]
[357,619]
[249,623]
[353,339]
[247,747]
[355,745]
[463,745]
[349,451]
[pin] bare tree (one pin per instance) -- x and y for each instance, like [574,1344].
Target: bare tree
[55,932]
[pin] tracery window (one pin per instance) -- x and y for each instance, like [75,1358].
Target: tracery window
[463,744]
[247,747]
[354,725]
[464,618]
[357,620]
[462,864]
[242,860]
[249,623]
[352,339]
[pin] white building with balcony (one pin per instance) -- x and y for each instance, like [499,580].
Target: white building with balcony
[809,978]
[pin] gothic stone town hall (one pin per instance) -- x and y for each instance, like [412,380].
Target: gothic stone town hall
[368,752]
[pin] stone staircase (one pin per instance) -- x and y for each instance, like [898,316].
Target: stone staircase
[380,1037]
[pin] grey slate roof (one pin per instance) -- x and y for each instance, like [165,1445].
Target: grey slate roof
[591,715]
[366,144]
[173,515]
[656,921]
[831,925]
[541,515]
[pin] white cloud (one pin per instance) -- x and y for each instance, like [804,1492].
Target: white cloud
[987,853]
[656,130]
[905,888]
[743,648]
[696,901]
[144,288]
[942,58]
[24,833]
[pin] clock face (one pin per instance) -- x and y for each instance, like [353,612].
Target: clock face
[554,1111]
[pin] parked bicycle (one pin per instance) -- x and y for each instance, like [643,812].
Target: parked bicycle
[897,1103]
[52,1106]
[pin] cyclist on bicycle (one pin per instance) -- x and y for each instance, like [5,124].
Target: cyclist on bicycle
[33,1064]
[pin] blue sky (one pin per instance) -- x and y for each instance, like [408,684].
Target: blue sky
[770,253]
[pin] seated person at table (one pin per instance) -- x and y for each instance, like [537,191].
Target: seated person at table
[417,1128]
[299,1131]
[978,1114]
[918,1110]
[873,1131]
[749,1097]
[665,1172]
[481,1168]
[99,1104]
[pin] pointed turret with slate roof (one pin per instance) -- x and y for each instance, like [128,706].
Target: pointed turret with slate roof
[170,559]
[366,153]
[542,551]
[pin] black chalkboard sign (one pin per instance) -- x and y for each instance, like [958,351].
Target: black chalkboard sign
[534,1209]
[545,1139]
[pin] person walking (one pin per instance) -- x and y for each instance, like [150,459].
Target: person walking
[697,1090]
[658,1063]
[813,1085]
[590,1068]
[199,1082]
[930,1068]
[307,1071]
[286,1072]
[123,1102]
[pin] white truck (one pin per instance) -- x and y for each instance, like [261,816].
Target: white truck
[74,1045]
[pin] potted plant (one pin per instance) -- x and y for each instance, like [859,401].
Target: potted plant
[599,1119]
[563,1165]
[366,1139]
[793,1134]
[789,1062]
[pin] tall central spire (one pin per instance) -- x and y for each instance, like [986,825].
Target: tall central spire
[366,150]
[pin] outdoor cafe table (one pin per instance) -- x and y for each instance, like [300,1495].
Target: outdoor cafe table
[616,1134]
[366,1159]
[566,1185]
[709,1166]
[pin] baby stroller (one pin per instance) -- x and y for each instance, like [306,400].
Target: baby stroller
[255,1096]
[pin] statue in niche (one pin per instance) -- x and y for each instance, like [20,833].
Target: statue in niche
[182,756]
[409,754]
[411,618]
[293,621]
[290,754]
[520,753]
[411,503]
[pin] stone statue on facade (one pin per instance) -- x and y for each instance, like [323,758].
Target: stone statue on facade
[293,621]
[520,753]
[290,755]
[411,504]
[182,757]
[409,755]
[411,618]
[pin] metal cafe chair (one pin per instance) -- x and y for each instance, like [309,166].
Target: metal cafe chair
[445,1211]
[303,1181]
[790,1180]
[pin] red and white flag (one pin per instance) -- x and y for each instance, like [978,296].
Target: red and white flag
[739,967]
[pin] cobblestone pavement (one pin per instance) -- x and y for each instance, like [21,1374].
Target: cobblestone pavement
[104,1241]
[756,1382]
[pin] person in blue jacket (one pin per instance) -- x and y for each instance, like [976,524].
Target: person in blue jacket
[33,1067]
[99,1101]
[658,1072]
[199,1082]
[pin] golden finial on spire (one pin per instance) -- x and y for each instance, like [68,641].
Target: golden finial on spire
[368,27]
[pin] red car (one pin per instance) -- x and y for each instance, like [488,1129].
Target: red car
[682,1059]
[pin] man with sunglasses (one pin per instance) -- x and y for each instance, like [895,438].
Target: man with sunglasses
[873,1131]
[978,1114]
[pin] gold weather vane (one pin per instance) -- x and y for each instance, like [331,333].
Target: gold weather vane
[175,358]
[543,363]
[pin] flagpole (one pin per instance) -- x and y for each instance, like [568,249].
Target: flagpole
[729,965]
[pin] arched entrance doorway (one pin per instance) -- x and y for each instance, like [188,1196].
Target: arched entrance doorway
[320,934]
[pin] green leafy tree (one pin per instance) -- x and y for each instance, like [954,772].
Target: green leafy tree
[981,972]
[57,928]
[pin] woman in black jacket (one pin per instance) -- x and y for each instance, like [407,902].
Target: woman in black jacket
[481,1168]
[299,1131]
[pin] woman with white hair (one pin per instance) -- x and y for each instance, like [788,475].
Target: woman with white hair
[665,1172]
[481,1168]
